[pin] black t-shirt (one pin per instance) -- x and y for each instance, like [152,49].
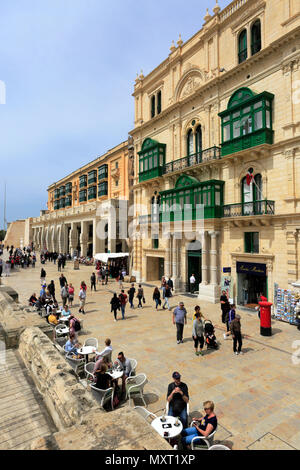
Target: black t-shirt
[103,381]
[206,420]
[177,402]
[225,307]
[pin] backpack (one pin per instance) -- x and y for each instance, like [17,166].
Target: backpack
[77,326]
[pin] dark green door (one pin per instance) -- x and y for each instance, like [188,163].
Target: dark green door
[195,267]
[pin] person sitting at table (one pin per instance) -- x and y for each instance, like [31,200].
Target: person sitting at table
[201,427]
[73,321]
[107,351]
[125,366]
[52,319]
[66,311]
[103,380]
[178,398]
[72,346]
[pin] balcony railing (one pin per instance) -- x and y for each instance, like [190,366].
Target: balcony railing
[213,153]
[249,209]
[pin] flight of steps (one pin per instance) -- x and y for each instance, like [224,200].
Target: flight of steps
[23,416]
[15,232]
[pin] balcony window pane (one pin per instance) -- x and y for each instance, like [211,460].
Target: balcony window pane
[226,132]
[217,198]
[268,119]
[258,123]
[235,115]
[258,105]
[246,125]
[236,129]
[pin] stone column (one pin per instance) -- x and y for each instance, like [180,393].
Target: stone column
[213,258]
[204,259]
[83,238]
[98,242]
[168,256]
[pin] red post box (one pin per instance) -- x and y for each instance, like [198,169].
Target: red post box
[265,318]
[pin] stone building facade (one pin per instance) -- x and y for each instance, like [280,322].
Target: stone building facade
[224,104]
[85,207]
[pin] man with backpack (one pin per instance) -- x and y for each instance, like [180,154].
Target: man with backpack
[123,301]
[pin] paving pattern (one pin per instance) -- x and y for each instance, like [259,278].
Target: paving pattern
[23,416]
[256,394]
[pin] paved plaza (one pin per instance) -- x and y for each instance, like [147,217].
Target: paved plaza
[256,394]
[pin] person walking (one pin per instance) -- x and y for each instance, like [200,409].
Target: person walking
[93,282]
[71,294]
[166,295]
[198,333]
[43,276]
[192,283]
[115,305]
[82,299]
[64,294]
[140,296]
[180,319]
[1,267]
[156,297]
[225,306]
[51,289]
[62,280]
[131,293]
[230,316]
[123,302]
[235,328]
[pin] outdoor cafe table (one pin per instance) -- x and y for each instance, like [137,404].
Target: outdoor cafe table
[64,319]
[116,374]
[85,351]
[167,426]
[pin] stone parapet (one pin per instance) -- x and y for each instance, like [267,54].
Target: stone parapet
[123,429]
[15,318]
[67,400]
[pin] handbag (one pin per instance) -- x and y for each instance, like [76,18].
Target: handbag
[144,300]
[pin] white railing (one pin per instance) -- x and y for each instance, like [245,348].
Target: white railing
[233,7]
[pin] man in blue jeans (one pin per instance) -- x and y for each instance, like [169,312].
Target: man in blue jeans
[179,318]
[178,398]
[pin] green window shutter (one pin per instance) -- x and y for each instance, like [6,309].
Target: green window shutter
[243,46]
[256,37]
[152,106]
[159,102]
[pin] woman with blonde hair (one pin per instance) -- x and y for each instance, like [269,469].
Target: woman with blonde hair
[204,426]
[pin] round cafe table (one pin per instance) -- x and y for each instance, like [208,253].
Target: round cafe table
[116,374]
[167,426]
[86,350]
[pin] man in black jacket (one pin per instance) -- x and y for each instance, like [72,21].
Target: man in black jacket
[178,398]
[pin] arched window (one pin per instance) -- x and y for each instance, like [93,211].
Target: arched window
[256,37]
[252,196]
[159,102]
[199,140]
[190,142]
[243,46]
[153,106]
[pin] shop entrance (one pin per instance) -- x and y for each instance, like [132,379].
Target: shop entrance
[252,281]
[155,268]
[194,267]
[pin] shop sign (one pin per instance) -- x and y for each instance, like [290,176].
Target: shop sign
[254,269]
[226,270]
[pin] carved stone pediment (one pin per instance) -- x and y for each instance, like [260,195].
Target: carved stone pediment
[192,84]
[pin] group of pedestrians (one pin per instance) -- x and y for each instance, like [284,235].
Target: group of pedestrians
[233,323]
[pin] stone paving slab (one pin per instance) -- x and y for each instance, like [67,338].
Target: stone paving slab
[254,393]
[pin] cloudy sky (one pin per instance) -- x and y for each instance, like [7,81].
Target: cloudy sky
[69,68]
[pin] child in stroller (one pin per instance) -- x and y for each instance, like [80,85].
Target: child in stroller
[210,338]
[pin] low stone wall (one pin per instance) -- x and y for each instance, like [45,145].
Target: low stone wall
[15,318]
[67,400]
[122,429]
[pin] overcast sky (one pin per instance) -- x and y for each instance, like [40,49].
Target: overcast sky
[69,68]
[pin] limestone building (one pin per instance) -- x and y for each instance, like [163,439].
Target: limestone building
[223,105]
[85,207]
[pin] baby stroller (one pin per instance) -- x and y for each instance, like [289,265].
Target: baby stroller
[210,338]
